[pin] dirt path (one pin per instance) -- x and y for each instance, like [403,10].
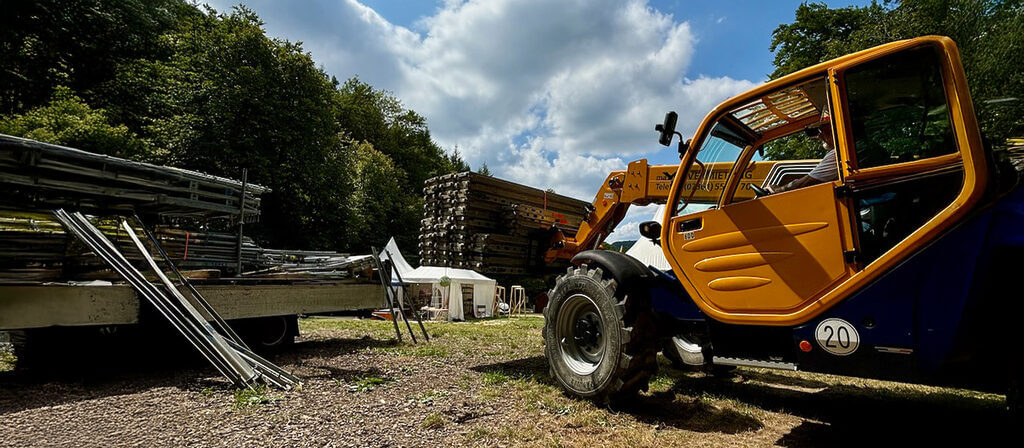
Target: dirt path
[481,383]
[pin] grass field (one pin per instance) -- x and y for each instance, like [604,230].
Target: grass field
[753,407]
[483,383]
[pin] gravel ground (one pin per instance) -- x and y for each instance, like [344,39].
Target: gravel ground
[482,383]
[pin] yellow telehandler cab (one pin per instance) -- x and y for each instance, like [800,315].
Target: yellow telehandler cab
[846,218]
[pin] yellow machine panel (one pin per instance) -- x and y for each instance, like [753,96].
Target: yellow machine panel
[767,256]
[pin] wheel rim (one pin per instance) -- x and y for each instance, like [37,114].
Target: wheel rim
[579,330]
[273,331]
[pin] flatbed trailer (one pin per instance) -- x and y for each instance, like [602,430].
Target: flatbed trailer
[39,306]
[49,295]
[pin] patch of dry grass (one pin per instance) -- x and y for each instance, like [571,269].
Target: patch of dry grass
[499,362]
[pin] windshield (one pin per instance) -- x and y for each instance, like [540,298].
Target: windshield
[706,179]
[779,113]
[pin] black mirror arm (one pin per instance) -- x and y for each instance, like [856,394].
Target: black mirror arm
[683,146]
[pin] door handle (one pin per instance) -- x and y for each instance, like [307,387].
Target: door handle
[690,225]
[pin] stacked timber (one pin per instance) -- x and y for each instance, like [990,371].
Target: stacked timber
[491,225]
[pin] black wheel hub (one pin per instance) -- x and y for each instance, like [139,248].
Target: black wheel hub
[587,333]
[579,330]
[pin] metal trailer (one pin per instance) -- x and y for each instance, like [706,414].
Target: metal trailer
[272,305]
[37,298]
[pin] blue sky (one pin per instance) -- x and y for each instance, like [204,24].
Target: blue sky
[734,36]
[552,94]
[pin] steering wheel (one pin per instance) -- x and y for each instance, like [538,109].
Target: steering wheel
[759,192]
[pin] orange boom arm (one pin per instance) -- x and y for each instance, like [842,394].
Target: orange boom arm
[643,184]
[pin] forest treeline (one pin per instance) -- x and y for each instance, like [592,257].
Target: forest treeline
[169,82]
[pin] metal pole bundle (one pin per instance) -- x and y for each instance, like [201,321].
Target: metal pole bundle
[384,282]
[415,312]
[228,355]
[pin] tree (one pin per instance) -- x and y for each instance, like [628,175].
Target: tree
[484,170]
[228,97]
[168,82]
[988,33]
[67,120]
[376,116]
[76,44]
[379,204]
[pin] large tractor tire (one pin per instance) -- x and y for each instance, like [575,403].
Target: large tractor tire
[599,345]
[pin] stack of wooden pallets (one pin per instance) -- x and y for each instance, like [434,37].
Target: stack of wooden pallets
[491,225]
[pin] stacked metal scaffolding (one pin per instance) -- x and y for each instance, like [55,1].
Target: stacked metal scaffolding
[34,248]
[58,176]
[223,348]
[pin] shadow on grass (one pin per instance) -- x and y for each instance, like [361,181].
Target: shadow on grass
[662,409]
[666,409]
[835,414]
[74,373]
[776,379]
[844,415]
[534,368]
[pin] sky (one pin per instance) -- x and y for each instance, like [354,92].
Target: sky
[551,94]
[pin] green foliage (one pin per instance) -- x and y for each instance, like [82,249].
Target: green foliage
[250,397]
[367,383]
[433,421]
[46,43]
[794,147]
[168,82]
[68,121]
[988,32]
[484,170]
[380,206]
[495,378]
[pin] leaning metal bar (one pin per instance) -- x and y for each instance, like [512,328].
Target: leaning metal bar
[387,295]
[159,299]
[386,273]
[415,312]
[229,354]
[270,370]
[105,250]
[221,324]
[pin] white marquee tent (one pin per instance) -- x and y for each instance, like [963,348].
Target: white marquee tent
[451,296]
[646,251]
[480,287]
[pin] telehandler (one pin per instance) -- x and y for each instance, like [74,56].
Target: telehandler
[903,266]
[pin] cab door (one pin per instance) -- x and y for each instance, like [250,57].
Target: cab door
[763,257]
[911,165]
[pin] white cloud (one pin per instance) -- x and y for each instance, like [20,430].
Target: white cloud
[551,94]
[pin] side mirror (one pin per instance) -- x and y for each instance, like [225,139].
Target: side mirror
[667,129]
[651,229]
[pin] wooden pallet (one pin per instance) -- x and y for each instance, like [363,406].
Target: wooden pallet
[491,225]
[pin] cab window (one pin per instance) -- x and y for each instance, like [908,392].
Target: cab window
[775,125]
[897,109]
[706,180]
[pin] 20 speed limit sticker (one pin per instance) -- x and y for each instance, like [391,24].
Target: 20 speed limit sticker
[837,336]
